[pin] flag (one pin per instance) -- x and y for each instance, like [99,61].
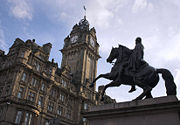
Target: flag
[84,8]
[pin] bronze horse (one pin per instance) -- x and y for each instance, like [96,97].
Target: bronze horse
[146,78]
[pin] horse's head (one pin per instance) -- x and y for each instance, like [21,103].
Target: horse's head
[113,55]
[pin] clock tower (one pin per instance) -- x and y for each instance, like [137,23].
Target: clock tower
[81,53]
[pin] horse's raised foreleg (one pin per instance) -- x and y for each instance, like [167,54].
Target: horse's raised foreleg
[100,76]
[111,84]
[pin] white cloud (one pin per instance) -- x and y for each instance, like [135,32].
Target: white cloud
[21,9]
[176,3]
[67,12]
[113,5]
[99,15]
[140,5]
[3,44]
[171,46]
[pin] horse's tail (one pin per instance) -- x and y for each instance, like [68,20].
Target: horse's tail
[169,81]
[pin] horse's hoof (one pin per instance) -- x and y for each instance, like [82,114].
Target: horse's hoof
[92,85]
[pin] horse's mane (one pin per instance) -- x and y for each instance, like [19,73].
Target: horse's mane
[129,51]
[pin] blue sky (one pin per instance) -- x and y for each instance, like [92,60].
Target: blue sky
[116,22]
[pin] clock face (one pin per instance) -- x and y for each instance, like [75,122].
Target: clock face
[92,42]
[74,39]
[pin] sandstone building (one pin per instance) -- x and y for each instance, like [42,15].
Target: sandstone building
[35,91]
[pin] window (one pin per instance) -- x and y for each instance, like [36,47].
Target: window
[34,82]
[68,113]
[50,70]
[28,118]
[59,110]
[61,97]
[64,83]
[42,87]
[47,122]
[31,96]
[84,121]
[40,101]
[85,106]
[53,92]
[23,77]
[18,117]
[37,66]
[50,106]
[40,56]
[89,68]
[22,54]
[20,92]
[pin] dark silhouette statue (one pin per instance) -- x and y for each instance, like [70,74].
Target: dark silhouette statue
[131,69]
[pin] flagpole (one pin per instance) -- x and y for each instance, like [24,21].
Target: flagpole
[84,11]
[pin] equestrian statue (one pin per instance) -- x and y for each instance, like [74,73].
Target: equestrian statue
[131,69]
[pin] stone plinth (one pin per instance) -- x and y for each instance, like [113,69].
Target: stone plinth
[156,111]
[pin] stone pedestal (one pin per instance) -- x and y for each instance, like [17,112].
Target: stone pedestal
[156,111]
